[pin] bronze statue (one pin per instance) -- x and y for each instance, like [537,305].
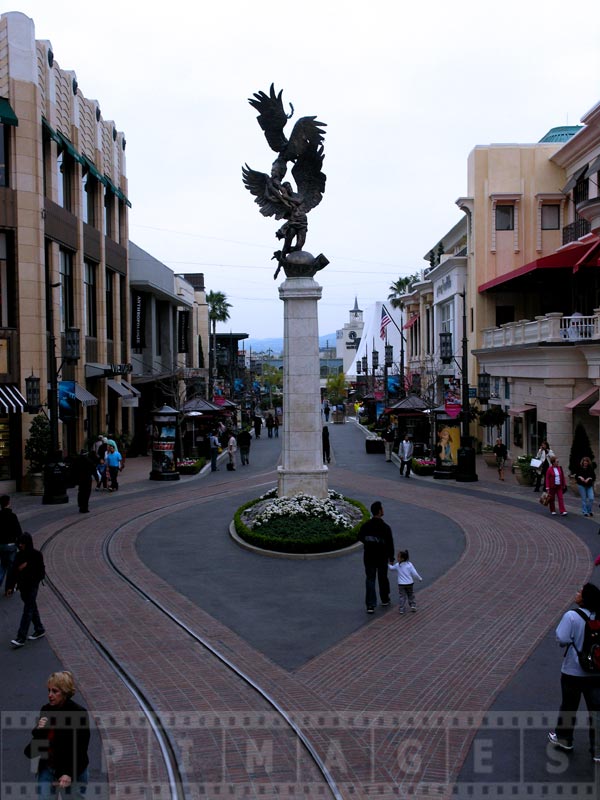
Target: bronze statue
[277,197]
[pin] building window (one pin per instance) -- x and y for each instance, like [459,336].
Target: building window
[505,218]
[447,317]
[7,284]
[67,316]
[89,299]
[88,198]
[550,217]
[64,170]
[581,191]
[123,307]
[110,304]
[108,211]
[4,138]
[158,308]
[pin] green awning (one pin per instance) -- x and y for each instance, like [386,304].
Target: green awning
[93,171]
[52,133]
[71,150]
[116,191]
[7,115]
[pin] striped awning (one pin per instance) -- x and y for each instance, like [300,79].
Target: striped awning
[134,392]
[119,388]
[85,397]
[11,399]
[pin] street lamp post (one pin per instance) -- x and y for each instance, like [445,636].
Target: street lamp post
[465,472]
[55,471]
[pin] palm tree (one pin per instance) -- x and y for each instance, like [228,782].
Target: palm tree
[218,311]
[400,287]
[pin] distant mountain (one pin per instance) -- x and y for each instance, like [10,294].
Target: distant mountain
[276,345]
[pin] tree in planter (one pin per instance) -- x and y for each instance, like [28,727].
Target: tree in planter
[580,448]
[493,417]
[39,443]
[336,389]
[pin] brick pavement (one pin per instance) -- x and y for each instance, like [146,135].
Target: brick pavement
[514,560]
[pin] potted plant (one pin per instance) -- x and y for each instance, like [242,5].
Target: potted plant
[523,471]
[488,455]
[492,417]
[580,447]
[37,451]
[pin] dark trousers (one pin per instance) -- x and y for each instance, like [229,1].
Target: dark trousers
[7,556]
[405,465]
[114,478]
[539,477]
[572,688]
[83,495]
[30,614]
[245,455]
[379,572]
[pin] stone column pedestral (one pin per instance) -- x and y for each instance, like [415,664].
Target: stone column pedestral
[302,470]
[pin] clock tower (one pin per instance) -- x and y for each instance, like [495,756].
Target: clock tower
[348,338]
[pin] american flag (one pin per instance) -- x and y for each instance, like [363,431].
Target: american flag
[385,321]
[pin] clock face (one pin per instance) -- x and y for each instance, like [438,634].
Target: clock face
[352,335]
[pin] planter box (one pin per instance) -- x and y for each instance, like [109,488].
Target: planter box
[337,417]
[375,445]
[489,458]
[522,478]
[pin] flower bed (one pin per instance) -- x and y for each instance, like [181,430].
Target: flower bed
[190,466]
[300,524]
[423,466]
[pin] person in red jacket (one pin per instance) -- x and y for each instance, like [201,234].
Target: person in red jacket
[556,485]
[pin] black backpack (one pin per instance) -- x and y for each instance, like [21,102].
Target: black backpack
[589,655]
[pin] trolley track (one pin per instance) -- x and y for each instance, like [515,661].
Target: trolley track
[180,781]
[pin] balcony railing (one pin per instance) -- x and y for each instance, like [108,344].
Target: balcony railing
[552,328]
[575,230]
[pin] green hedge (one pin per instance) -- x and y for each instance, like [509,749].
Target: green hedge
[299,535]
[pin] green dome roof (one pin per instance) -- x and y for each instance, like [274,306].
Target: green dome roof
[561,134]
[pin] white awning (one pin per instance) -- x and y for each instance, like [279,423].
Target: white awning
[11,399]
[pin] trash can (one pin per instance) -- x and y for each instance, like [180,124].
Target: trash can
[55,482]
[465,469]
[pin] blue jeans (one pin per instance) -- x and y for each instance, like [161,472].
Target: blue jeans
[373,572]
[587,498]
[46,777]
[214,454]
[30,614]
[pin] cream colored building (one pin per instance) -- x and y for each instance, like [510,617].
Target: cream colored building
[63,248]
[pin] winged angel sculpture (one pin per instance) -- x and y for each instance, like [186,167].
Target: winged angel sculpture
[277,197]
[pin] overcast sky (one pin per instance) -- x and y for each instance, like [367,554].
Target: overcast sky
[406,89]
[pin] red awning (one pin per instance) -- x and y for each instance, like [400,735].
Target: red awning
[410,322]
[518,411]
[581,398]
[595,409]
[572,256]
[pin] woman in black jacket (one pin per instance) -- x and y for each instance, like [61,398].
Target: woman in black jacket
[26,574]
[61,738]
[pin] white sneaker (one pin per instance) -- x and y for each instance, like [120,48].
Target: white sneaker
[553,513]
[553,738]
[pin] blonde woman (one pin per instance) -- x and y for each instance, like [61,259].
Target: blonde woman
[61,738]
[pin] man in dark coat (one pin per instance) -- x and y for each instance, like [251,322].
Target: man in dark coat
[26,574]
[378,542]
[244,441]
[84,472]
[10,530]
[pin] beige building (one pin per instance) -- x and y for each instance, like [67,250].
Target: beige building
[536,290]
[63,250]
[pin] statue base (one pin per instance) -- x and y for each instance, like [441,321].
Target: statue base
[291,482]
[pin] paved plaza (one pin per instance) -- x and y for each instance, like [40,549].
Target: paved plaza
[455,700]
